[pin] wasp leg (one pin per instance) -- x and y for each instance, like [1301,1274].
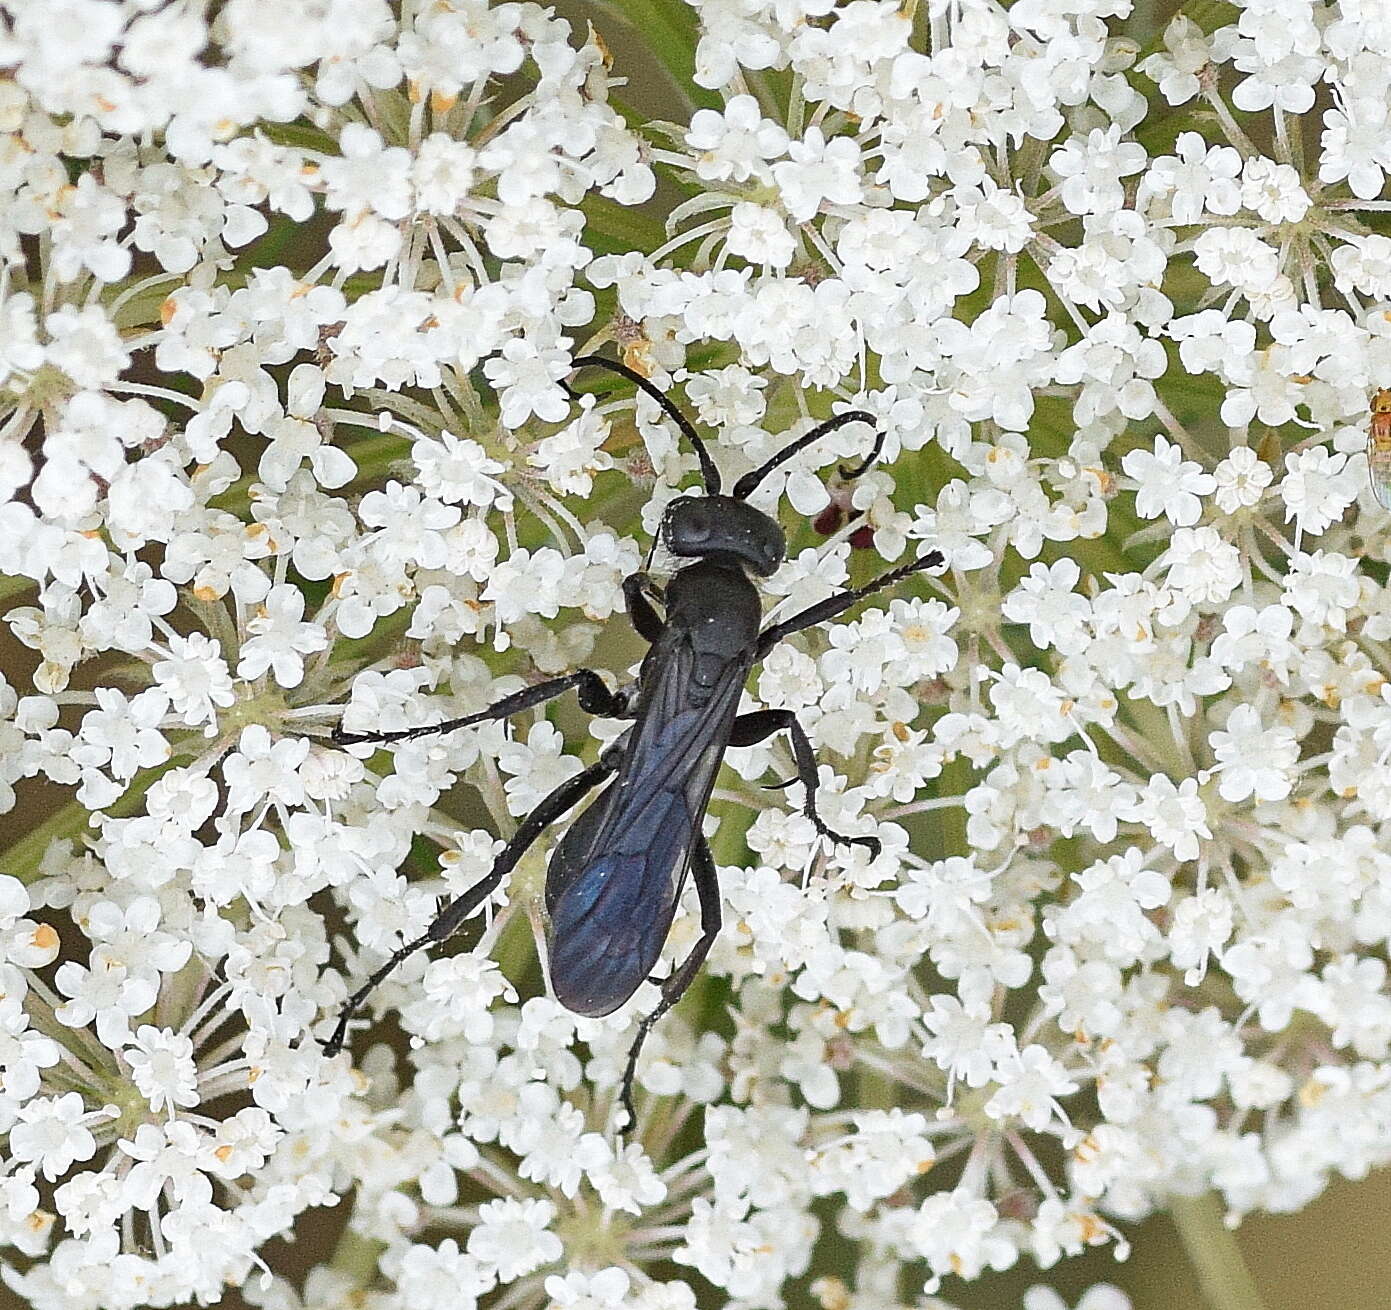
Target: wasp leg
[707,887]
[752,728]
[448,921]
[637,587]
[595,698]
[842,600]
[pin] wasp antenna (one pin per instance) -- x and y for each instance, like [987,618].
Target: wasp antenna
[708,471]
[851,474]
[750,480]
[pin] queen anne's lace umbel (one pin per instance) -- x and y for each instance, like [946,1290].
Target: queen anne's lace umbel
[289,295]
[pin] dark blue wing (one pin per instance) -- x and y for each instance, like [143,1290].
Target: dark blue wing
[616,875]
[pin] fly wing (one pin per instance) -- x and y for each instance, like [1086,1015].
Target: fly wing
[617,875]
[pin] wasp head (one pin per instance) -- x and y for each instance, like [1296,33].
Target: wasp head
[712,526]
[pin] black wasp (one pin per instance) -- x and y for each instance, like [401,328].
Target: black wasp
[616,875]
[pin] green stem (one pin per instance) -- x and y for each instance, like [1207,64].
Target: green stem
[23,859]
[11,587]
[1214,1254]
[357,1256]
[670,31]
[611,227]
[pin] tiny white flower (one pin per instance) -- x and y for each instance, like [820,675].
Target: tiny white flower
[571,457]
[1168,483]
[162,1068]
[818,171]
[195,677]
[1317,488]
[1273,190]
[512,1237]
[1322,587]
[527,378]
[734,144]
[760,235]
[1046,601]
[1241,479]
[53,1132]
[1174,813]
[458,471]
[1254,760]
[280,638]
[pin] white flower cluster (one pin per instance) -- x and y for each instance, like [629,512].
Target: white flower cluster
[289,298]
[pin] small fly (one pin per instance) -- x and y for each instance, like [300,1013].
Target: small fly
[1379,447]
[615,877]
